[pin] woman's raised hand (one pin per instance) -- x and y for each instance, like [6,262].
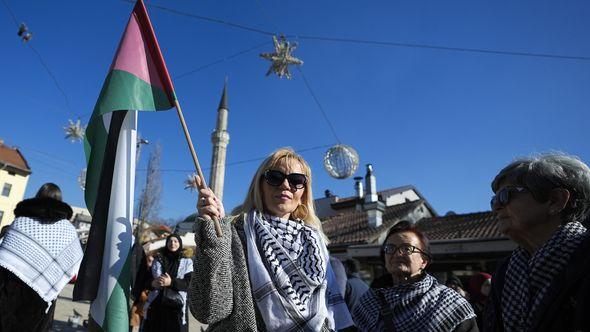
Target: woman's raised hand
[208,205]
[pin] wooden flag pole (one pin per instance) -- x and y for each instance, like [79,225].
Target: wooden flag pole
[195,160]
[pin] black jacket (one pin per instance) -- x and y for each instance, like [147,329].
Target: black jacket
[44,209]
[566,306]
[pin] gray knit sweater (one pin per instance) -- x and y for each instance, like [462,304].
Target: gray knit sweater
[219,291]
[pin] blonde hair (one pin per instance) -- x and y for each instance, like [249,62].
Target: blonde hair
[305,211]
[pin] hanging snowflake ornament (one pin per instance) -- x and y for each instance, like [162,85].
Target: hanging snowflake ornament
[341,161]
[74,131]
[281,58]
[191,182]
[82,179]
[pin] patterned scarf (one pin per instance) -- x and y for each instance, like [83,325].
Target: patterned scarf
[45,256]
[528,278]
[289,272]
[424,305]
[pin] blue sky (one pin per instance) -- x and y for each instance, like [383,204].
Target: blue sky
[443,121]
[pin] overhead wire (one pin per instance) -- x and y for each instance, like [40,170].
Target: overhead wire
[317,101]
[249,49]
[305,81]
[44,64]
[444,48]
[377,42]
[210,19]
[239,162]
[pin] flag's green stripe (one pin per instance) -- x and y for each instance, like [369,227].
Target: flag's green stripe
[117,310]
[120,91]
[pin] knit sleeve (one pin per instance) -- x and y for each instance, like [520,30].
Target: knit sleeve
[210,290]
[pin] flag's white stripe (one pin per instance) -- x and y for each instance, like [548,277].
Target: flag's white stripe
[118,238]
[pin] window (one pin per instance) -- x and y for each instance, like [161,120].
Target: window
[6,189]
[11,173]
[1,215]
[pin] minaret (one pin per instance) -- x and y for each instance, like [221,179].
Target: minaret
[219,138]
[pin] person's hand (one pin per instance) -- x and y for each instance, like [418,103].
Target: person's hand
[208,205]
[165,280]
[156,283]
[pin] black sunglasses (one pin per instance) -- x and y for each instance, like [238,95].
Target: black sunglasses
[276,178]
[504,196]
[404,249]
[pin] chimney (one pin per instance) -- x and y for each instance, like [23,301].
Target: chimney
[373,207]
[371,185]
[358,187]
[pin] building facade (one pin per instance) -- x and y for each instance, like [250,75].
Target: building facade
[460,244]
[356,226]
[14,176]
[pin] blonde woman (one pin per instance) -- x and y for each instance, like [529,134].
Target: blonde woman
[270,270]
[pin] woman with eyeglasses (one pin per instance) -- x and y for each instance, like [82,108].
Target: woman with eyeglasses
[270,270]
[416,301]
[540,203]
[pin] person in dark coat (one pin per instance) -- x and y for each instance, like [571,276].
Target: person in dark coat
[479,291]
[40,239]
[454,283]
[540,203]
[355,286]
[171,271]
[141,288]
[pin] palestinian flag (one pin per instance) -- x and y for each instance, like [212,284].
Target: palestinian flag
[137,80]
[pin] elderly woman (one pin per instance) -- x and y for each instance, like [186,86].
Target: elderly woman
[270,270]
[416,301]
[545,285]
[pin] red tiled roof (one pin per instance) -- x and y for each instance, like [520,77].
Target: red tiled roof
[13,157]
[352,227]
[479,225]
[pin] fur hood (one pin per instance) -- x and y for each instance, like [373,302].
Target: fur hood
[185,253]
[43,209]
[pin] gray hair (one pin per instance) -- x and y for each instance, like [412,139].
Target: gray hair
[540,174]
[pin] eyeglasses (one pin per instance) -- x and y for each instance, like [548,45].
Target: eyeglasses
[276,178]
[504,196]
[404,249]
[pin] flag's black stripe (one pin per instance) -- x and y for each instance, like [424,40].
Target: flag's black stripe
[88,280]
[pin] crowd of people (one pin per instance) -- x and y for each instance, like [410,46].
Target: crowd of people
[270,269]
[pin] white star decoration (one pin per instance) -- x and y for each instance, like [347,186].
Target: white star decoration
[74,131]
[191,182]
[281,58]
[82,179]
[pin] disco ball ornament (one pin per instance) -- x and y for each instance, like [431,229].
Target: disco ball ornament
[341,161]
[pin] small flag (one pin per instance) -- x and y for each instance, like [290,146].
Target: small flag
[137,80]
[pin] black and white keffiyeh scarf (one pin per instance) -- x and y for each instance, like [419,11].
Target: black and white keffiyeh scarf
[424,305]
[45,256]
[289,270]
[528,278]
